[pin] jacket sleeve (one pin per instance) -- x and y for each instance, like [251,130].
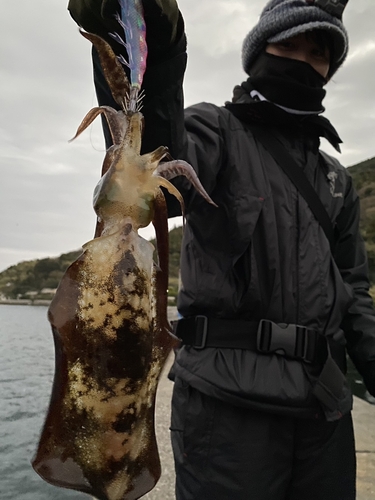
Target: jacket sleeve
[351,258]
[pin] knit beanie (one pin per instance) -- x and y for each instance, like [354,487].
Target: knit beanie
[283,19]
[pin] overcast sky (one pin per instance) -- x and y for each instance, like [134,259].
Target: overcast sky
[46,89]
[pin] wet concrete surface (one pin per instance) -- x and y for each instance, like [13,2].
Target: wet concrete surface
[364,428]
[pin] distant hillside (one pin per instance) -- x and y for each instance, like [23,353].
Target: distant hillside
[363,175]
[37,278]
[24,279]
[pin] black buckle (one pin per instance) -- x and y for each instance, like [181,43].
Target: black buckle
[288,340]
[191,331]
[201,328]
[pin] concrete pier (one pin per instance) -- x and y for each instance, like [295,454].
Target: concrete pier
[364,428]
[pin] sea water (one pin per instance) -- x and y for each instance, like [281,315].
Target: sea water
[26,375]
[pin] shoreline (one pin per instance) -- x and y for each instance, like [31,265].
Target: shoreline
[25,302]
[46,302]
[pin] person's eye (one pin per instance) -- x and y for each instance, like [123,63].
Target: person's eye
[320,54]
[286,45]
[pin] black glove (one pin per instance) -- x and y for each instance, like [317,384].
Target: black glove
[161,18]
[164,25]
[95,16]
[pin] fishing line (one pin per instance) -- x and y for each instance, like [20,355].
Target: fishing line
[93,104]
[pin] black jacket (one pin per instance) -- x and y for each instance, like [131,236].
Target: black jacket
[261,254]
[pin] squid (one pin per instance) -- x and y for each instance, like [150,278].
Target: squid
[109,316]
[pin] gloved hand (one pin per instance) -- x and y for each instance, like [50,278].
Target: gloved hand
[164,27]
[166,11]
[164,24]
[95,16]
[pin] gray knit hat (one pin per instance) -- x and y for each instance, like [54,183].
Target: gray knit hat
[282,19]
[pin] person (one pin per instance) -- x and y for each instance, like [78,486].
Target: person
[270,304]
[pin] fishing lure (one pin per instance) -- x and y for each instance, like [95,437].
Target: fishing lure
[132,21]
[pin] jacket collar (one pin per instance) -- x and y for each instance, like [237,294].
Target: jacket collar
[250,111]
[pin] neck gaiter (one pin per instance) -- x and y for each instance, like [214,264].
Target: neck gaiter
[288,82]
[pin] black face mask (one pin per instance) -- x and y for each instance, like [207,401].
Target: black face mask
[288,82]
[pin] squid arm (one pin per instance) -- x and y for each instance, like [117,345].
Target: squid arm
[171,169]
[117,122]
[112,68]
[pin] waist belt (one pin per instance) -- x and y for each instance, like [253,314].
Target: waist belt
[292,341]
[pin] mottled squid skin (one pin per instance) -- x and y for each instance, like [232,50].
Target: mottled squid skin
[109,321]
[111,343]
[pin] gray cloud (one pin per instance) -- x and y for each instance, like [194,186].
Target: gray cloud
[46,88]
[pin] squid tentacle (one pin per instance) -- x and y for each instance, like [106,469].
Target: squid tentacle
[173,191]
[116,120]
[171,169]
[155,157]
